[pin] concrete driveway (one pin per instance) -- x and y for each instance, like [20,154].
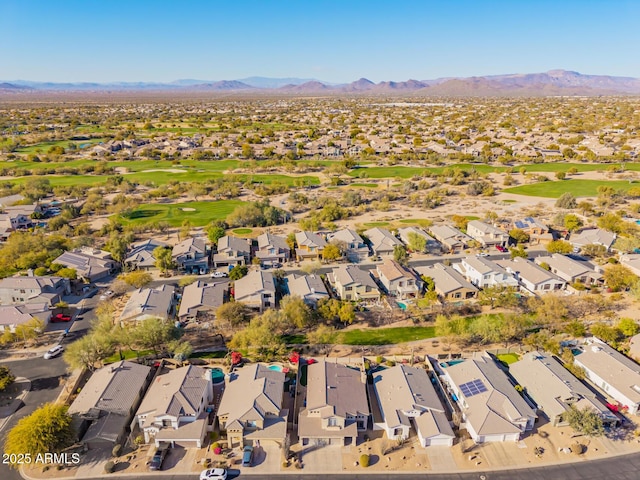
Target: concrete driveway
[327,459]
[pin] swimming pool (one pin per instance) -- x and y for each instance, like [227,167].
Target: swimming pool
[277,368]
[450,363]
[217,375]
[402,305]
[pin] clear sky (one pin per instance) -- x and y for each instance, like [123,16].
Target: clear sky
[331,40]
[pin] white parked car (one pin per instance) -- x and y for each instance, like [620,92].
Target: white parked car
[214,474]
[106,295]
[219,275]
[54,352]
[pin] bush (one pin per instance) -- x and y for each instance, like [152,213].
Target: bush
[379,359]
[285,464]
[217,450]
[215,445]
[364,460]
[115,452]
[109,467]
[391,363]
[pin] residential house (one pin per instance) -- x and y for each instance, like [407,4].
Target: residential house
[202,296]
[407,399]
[398,280]
[337,408]
[532,277]
[483,272]
[144,303]
[382,241]
[492,409]
[140,255]
[449,284]
[192,255]
[352,283]
[538,231]
[251,407]
[593,236]
[310,288]
[631,261]
[555,390]
[451,239]
[487,235]
[12,316]
[406,233]
[611,371]
[12,221]
[571,270]
[356,250]
[174,410]
[35,289]
[232,251]
[272,249]
[257,290]
[104,408]
[89,263]
[310,246]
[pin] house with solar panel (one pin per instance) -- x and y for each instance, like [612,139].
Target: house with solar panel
[538,231]
[90,264]
[492,409]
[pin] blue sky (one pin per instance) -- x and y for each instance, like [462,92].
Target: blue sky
[335,41]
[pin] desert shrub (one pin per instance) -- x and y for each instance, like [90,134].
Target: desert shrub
[109,467]
[364,460]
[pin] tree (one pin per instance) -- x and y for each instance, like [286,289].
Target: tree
[605,332]
[628,326]
[70,273]
[559,246]
[499,296]
[137,278]
[586,421]
[400,254]
[451,328]
[322,335]
[6,378]
[618,277]
[154,334]
[460,221]
[262,334]
[566,201]
[347,313]
[561,175]
[519,235]
[29,330]
[331,252]
[296,312]
[592,250]
[90,350]
[549,309]
[238,272]
[518,251]
[572,222]
[164,259]
[215,233]
[417,242]
[118,245]
[47,430]
[328,309]
[576,328]
[235,313]
[610,222]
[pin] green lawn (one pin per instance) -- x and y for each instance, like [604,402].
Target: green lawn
[385,336]
[376,224]
[296,339]
[387,172]
[126,355]
[242,231]
[43,147]
[579,188]
[363,185]
[174,213]
[508,358]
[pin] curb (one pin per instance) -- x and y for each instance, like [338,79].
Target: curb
[20,398]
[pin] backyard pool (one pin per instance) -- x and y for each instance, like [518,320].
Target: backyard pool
[451,363]
[402,305]
[217,375]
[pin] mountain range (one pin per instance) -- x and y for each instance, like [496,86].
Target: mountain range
[553,82]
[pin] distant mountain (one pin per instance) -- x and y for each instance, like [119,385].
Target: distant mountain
[266,82]
[553,82]
[222,85]
[308,87]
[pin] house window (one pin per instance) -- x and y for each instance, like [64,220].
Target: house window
[332,422]
[546,287]
[166,423]
[251,424]
[456,295]
[348,289]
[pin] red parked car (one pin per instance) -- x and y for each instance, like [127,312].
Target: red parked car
[61,318]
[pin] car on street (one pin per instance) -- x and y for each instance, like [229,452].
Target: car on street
[500,248]
[213,474]
[157,459]
[53,352]
[60,318]
[247,456]
[482,254]
[219,275]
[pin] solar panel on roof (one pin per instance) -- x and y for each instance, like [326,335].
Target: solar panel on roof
[519,224]
[474,387]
